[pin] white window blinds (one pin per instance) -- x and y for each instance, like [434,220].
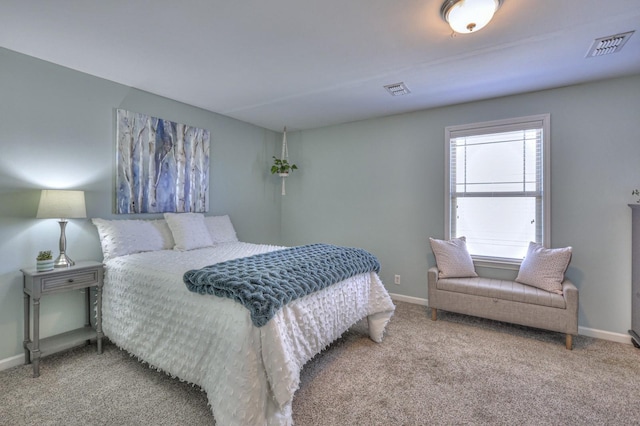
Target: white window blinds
[497,192]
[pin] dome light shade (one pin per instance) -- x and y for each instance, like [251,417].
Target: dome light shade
[466,16]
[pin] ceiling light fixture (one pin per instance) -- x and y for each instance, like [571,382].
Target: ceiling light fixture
[467,16]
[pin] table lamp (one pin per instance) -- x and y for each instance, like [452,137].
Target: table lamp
[63,205]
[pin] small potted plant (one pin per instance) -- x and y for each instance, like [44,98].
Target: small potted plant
[282,167]
[44,261]
[636,193]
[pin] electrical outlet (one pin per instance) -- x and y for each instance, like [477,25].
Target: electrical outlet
[396,279]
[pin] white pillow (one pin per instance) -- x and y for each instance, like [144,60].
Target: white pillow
[544,268]
[221,229]
[453,258]
[189,231]
[122,237]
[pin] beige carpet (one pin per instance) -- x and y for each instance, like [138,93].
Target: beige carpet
[457,370]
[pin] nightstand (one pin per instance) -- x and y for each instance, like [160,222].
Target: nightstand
[84,274]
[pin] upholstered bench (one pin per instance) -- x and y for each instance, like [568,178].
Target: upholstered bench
[507,301]
[540,296]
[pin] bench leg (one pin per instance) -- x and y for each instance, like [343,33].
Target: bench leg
[434,314]
[569,341]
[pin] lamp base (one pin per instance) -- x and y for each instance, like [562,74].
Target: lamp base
[63,261]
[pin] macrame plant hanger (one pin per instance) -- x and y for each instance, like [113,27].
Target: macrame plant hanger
[284,156]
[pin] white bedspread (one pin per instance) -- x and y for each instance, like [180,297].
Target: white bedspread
[250,374]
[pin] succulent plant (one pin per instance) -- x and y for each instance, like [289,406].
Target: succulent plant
[44,255]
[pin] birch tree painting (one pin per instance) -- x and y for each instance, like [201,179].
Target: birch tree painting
[162,166]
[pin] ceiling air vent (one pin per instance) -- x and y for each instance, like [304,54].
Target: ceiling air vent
[607,45]
[397,89]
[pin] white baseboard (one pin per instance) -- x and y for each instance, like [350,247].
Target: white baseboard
[11,362]
[16,360]
[582,331]
[409,299]
[605,335]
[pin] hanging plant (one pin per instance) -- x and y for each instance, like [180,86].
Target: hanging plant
[282,166]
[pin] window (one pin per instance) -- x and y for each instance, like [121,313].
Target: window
[497,191]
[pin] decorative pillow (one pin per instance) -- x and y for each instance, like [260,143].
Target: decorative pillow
[544,268]
[453,258]
[220,229]
[122,237]
[189,231]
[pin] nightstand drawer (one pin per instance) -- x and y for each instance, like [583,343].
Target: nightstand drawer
[70,280]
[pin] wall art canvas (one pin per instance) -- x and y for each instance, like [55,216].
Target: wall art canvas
[162,166]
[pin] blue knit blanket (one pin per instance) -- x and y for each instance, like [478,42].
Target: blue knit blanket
[265,282]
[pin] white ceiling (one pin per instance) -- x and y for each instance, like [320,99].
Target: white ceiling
[312,63]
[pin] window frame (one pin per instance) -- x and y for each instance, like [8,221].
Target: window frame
[499,126]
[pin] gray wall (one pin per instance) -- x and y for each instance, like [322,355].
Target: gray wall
[57,131]
[379,184]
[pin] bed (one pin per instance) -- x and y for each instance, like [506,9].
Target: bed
[250,374]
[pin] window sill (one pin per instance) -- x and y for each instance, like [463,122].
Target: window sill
[496,263]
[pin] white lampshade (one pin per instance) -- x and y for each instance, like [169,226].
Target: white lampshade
[61,204]
[466,16]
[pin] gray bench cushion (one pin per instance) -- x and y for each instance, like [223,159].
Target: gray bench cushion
[502,289]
